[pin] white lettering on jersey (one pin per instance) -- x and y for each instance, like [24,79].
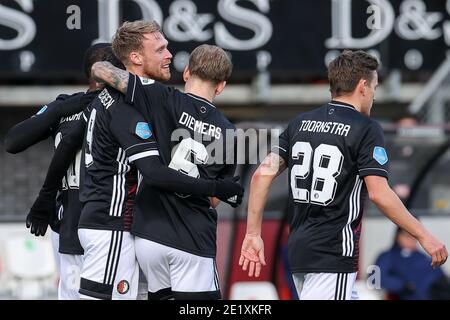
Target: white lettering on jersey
[327,127]
[106,99]
[200,126]
[74,117]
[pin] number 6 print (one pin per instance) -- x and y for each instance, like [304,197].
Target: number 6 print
[181,160]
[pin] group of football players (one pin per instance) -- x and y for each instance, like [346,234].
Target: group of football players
[131,191]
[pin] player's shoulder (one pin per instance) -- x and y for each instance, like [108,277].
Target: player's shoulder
[62,100]
[108,97]
[154,85]
[313,114]
[348,114]
[78,101]
[208,110]
[64,97]
[225,122]
[223,119]
[372,126]
[103,103]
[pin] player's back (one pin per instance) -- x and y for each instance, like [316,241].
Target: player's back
[109,180]
[70,208]
[330,150]
[192,138]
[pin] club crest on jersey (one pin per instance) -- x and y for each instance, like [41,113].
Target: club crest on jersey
[143,130]
[123,287]
[42,110]
[146,81]
[380,155]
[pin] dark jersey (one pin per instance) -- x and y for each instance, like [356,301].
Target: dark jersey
[70,208]
[46,123]
[329,150]
[194,138]
[57,119]
[116,135]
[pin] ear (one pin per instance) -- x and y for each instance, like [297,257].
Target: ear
[219,87]
[362,87]
[135,58]
[186,74]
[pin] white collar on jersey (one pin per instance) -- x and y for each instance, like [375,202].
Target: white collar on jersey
[200,99]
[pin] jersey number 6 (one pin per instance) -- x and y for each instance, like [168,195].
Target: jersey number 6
[187,150]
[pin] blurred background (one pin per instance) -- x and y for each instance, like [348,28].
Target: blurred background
[280,50]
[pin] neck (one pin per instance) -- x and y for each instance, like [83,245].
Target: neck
[200,88]
[350,100]
[137,70]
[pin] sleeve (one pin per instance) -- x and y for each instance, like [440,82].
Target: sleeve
[63,157]
[135,135]
[372,157]
[34,129]
[76,103]
[282,149]
[39,126]
[147,95]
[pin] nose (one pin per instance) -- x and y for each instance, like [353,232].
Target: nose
[168,54]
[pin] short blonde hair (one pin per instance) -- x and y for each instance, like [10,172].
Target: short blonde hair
[210,63]
[129,37]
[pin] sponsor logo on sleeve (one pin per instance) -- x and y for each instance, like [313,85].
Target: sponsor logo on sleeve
[380,155]
[42,110]
[143,130]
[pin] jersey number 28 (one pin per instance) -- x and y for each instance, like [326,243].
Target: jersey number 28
[326,166]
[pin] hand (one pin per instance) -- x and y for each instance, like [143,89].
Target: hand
[252,254]
[229,191]
[435,248]
[214,202]
[41,213]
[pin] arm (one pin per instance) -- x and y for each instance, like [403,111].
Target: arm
[392,207]
[44,206]
[27,133]
[63,157]
[156,174]
[38,127]
[252,252]
[105,72]
[34,129]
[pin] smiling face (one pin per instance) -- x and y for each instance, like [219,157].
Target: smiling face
[155,57]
